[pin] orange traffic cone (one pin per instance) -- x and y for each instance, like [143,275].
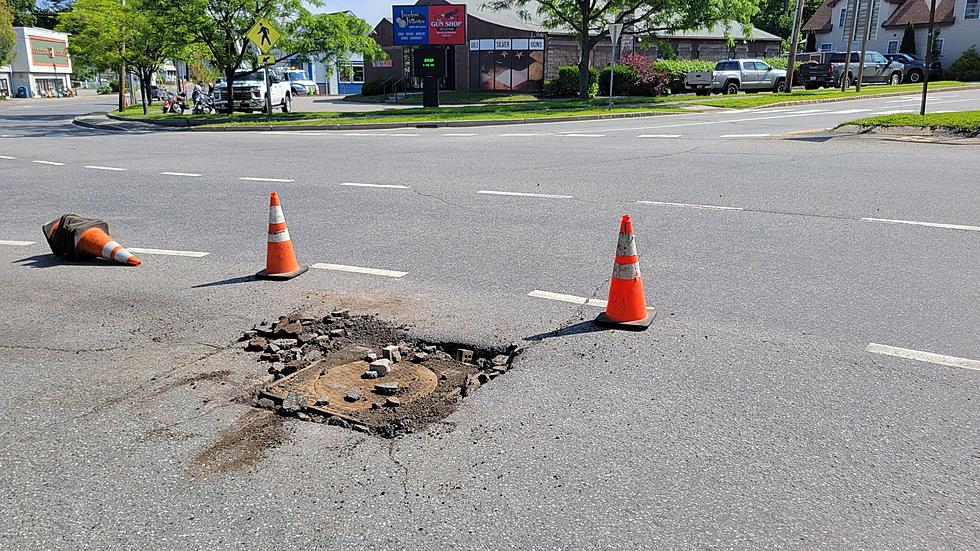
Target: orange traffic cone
[96,242]
[627,307]
[280,260]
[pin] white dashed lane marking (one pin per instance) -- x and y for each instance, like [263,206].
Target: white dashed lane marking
[16,243]
[390,186]
[521,194]
[457,135]
[524,134]
[358,270]
[52,163]
[688,205]
[7,157]
[188,174]
[280,180]
[659,136]
[745,135]
[919,355]
[111,168]
[928,224]
[575,135]
[547,295]
[167,252]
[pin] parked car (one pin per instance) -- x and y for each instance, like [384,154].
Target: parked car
[730,76]
[296,76]
[154,92]
[915,67]
[877,69]
[250,90]
[298,89]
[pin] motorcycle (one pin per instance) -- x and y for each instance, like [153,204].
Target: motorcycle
[204,105]
[174,103]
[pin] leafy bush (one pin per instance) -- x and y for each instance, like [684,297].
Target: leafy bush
[566,85]
[103,90]
[677,69]
[967,67]
[624,83]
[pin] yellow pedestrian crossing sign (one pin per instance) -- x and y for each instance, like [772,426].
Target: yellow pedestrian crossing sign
[266,59]
[264,34]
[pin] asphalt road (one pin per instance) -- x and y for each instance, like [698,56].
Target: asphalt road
[751,415]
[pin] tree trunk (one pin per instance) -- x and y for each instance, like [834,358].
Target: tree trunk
[584,80]
[144,91]
[230,80]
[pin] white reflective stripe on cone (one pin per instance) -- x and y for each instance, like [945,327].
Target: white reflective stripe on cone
[108,248]
[122,256]
[279,237]
[626,245]
[626,271]
[275,215]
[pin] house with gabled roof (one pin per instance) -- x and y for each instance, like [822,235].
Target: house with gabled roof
[958,22]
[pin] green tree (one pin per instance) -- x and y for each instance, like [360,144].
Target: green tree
[588,20]
[908,40]
[7,37]
[23,11]
[776,16]
[221,25]
[109,33]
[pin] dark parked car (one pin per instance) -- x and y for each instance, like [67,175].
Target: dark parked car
[154,92]
[914,66]
[830,73]
[298,89]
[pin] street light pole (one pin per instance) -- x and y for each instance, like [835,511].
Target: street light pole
[928,63]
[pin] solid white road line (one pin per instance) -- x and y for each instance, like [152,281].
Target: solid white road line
[568,298]
[192,254]
[456,135]
[7,157]
[189,174]
[519,194]
[659,136]
[929,224]
[391,186]
[112,168]
[52,163]
[358,270]
[942,359]
[17,243]
[688,205]
[267,180]
[745,135]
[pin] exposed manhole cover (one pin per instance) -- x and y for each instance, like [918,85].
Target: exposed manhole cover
[362,373]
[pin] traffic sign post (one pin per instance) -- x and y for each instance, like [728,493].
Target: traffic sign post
[614,30]
[264,34]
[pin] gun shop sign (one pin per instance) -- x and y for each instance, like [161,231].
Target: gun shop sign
[429,25]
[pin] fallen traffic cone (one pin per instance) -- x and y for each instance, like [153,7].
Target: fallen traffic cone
[78,238]
[280,260]
[627,307]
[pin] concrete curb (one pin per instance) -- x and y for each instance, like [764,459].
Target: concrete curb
[197,125]
[852,98]
[80,121]
[936,131]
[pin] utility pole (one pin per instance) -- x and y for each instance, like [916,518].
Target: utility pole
[928,63]
[794,46]
[851,9]
[122,78]
[864,43]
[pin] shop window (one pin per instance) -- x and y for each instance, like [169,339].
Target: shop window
[972,10]
[892,47]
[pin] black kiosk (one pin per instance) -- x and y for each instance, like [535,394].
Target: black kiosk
[430,65]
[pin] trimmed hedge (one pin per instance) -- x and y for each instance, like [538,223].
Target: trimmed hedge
[623,85]
[677,70]
[566,85]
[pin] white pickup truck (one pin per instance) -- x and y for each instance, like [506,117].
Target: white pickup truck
[250,92]
[730,76]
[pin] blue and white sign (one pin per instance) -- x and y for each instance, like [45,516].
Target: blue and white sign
[411,25]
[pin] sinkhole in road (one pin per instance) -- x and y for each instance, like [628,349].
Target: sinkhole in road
[362,373]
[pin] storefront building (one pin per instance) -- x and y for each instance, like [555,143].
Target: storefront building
[42,65]
[5,81]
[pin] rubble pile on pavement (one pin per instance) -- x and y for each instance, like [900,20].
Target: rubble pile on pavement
[361,373]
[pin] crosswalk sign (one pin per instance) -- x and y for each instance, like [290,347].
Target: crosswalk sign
[264,34]
[266,59]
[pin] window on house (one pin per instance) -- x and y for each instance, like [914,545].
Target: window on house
[843,17]
[827,47]
[939,48]
[892,47]
[972,10]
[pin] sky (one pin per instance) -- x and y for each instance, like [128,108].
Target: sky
[369,10]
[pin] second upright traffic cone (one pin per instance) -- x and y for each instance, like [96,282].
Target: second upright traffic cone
[280,259]
[627,307]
